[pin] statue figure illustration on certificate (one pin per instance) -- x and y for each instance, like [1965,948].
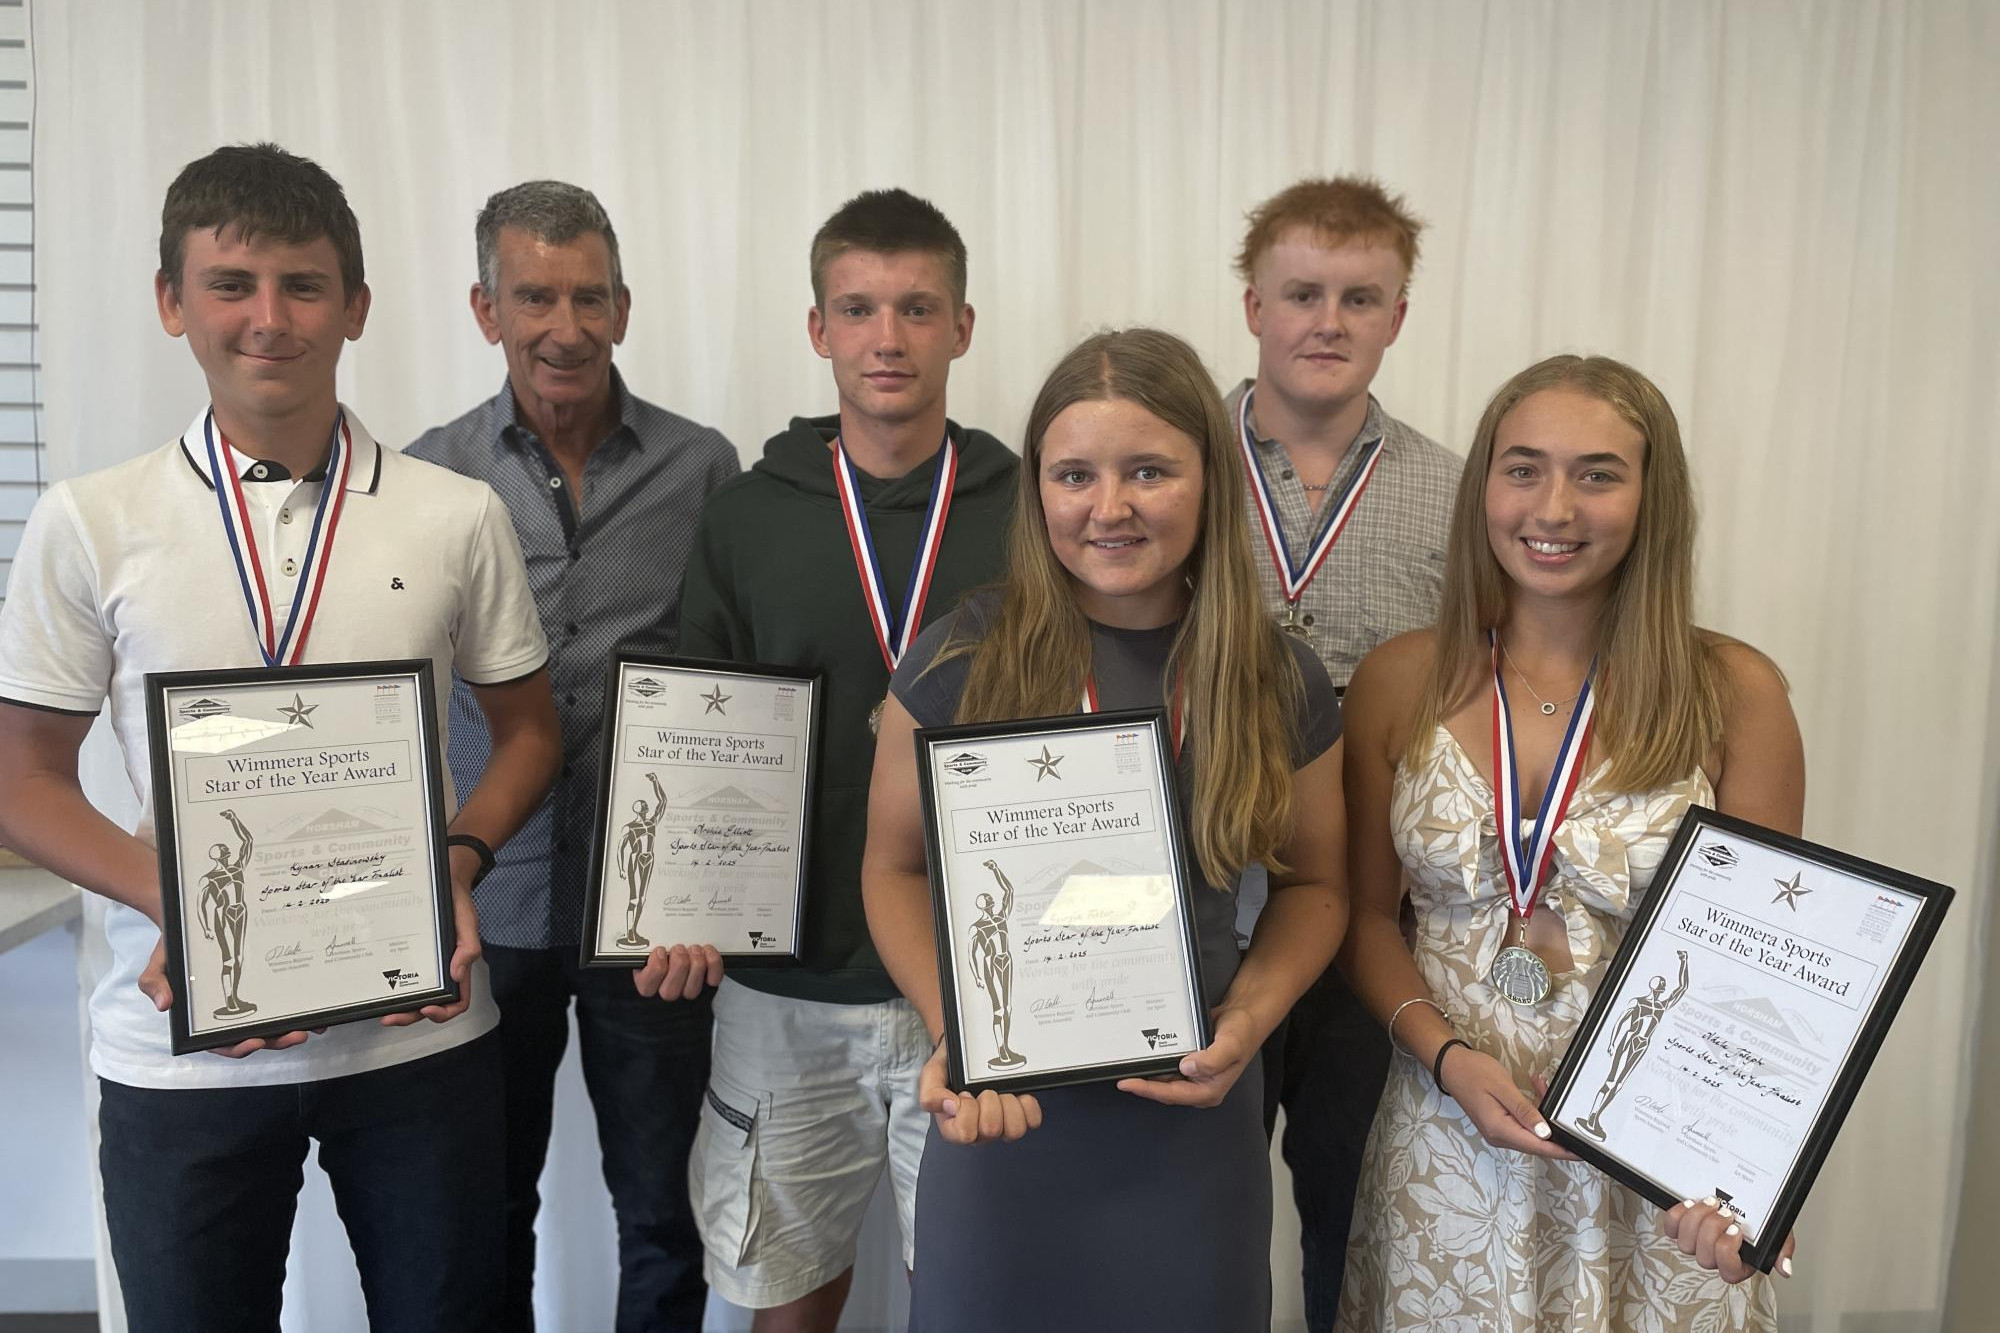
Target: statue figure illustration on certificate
[993,966]
[1631,1038]
[223,914]
[635,862]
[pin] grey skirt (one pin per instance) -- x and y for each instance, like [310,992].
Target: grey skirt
[1118,1213]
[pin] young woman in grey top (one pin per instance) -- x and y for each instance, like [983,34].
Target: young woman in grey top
[1144,1204]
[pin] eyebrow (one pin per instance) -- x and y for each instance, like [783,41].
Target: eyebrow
[1527,451]
[1128,460]
[546,289]
[865,298]
[228,273]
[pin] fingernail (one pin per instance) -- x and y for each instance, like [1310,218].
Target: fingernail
[1687,1203]
[1734,1230]
[1724,1211]
[1541,1129]
[1710,1201]
[1785,1266]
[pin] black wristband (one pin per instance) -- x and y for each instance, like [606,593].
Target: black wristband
[1437,1061]
[479,849]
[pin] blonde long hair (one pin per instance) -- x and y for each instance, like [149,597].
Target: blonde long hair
[1659,683]
[1239,682]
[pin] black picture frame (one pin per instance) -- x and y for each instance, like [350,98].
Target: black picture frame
[1762,1252]
[167,836]
[1154,722]
[639,656]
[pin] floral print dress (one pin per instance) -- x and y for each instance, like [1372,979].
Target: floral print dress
[1453,1235]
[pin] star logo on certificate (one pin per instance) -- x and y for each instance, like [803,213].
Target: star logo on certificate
[300,713]
[1790,892]
[1046,765]
[715,698]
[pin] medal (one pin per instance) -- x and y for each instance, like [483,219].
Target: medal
[1518,973]
[1293,579]
[893,636]
[280,646]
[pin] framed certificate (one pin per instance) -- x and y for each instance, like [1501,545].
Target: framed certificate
[299,817]
[704,807]
[1733,1028]
[1065,927]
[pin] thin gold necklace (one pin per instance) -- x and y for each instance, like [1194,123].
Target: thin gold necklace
[1548,709]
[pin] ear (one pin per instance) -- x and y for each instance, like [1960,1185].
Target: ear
[357,311]
[622,312]
[963,329]
[1396,324]
[1253,311]
[816,332]
[169,302]
[484,311]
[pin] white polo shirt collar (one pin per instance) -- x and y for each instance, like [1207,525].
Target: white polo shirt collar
[363,477]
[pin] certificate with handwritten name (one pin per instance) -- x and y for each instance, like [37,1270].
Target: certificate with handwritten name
[1059,887]
[1734,1026]
[704,804]
[299,814]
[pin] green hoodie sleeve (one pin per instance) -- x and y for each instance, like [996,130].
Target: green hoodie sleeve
[710,625]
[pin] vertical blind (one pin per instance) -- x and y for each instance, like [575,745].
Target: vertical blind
[20,392]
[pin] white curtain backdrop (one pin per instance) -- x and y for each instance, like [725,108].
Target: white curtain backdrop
[1784,212]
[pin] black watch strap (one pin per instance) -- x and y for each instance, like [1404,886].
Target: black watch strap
[479,849]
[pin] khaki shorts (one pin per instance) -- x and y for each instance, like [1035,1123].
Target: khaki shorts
[806,1103]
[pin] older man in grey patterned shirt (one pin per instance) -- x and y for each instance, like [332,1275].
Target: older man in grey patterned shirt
[605,491]
[1349,510]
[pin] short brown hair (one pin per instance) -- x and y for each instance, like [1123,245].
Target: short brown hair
[889,222]
[259,189]
[1343,209]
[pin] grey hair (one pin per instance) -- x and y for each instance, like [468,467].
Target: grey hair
[553,212]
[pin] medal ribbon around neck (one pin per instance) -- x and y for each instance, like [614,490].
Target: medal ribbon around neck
[280,647]
[891,635]
[1176,720]
[1295,578]
[1526,862]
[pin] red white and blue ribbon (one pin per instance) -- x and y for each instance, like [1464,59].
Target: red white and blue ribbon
[281,645]
[892,634]
[1176,721]
[1294,578]
[1525,861]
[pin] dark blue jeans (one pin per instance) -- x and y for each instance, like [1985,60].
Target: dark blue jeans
[1326,1064]
[201,1184]
[645,1064]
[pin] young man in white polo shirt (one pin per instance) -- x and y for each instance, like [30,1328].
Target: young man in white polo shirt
[127,571]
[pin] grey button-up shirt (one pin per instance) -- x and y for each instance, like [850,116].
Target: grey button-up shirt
[1385,574]
[601,572]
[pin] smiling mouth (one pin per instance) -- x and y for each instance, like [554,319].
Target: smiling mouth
[1541,547]
[271,360]
[1114,543]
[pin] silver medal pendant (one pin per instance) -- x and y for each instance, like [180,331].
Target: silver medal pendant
[1520,975]
[1548,709]
[1290,624]
[875,718]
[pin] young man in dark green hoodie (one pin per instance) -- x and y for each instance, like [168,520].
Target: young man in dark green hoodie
[853,532]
